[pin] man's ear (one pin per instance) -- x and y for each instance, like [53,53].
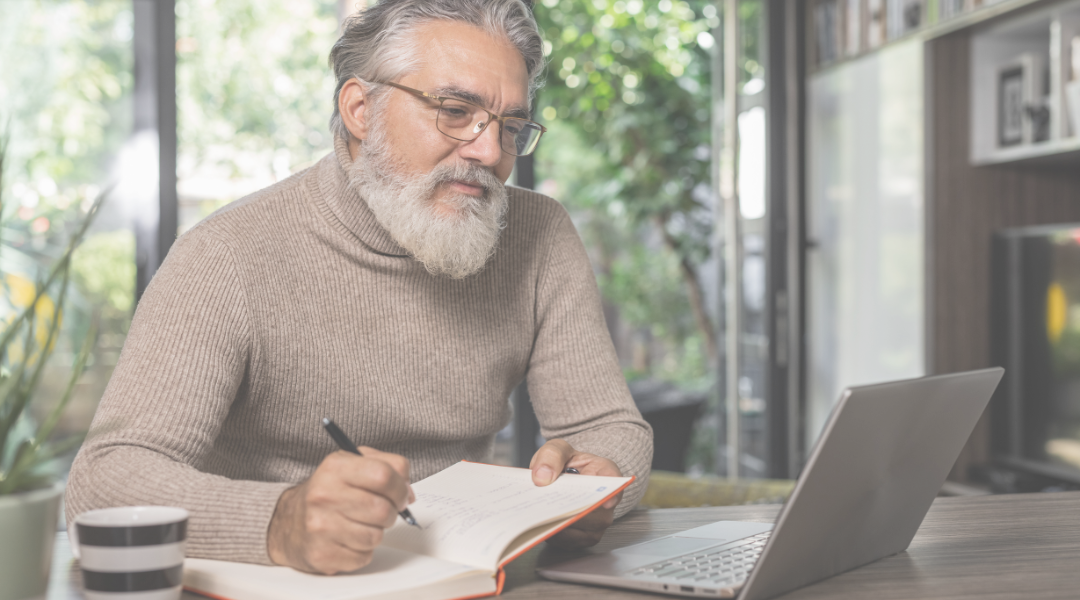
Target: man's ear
[352,105]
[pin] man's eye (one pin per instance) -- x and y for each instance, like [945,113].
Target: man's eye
[513,128]
[454,112]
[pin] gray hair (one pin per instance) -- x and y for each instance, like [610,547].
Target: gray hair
[378,45]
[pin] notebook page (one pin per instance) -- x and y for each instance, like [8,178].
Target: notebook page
[390,570]
[470,512]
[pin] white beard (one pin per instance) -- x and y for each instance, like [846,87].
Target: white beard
[455,243]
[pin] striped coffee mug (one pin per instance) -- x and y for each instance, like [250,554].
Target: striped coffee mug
[131,552]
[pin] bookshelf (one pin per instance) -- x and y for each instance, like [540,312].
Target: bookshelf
[1024,72]
[841,30]
[1026,52]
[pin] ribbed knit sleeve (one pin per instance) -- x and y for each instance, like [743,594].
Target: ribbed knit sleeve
[575,382]
[188,352]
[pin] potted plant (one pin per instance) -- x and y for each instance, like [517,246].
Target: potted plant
[30,490]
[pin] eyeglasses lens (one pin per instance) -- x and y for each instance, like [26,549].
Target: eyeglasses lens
[464,121]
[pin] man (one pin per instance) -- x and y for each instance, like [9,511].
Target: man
[397,287]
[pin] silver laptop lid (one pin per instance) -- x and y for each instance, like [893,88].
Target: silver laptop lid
[871,478]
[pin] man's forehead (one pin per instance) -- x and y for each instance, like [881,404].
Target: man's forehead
[464,61]
[455,91]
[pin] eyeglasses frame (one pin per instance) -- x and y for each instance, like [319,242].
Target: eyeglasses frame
[491,116]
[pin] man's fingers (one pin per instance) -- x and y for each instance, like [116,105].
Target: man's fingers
[370,474]
[549,461]
[329,558]
[332,522]
[358,537]
[366,508]
[590,464]
[329,526]
[397,461]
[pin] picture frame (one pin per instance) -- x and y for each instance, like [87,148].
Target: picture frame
[1021,107]
[1011,100]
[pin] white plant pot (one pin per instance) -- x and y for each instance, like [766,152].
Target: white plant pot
[27,531]
[1072,99]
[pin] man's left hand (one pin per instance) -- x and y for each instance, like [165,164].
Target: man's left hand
[548,464]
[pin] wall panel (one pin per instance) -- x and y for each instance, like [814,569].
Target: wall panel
[965,205]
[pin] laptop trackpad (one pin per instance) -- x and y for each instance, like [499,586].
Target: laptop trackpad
[671,546]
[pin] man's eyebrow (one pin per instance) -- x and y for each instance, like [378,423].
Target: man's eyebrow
[519,112]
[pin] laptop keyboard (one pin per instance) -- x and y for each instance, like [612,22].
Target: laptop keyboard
[726,566]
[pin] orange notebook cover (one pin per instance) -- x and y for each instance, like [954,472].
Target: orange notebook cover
[475,518]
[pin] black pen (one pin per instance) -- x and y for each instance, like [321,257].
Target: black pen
[346,444]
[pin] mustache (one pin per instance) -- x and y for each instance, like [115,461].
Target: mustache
[467,173]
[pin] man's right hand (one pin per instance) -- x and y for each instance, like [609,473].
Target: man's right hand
[333,521]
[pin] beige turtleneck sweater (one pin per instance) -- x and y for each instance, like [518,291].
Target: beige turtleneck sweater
[293,304]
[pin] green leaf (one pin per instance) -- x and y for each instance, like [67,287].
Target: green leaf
[12,478]
[46,428]
[17,389]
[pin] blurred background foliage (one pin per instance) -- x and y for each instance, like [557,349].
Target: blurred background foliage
[627,101]
[65,82]
[65,105]
[627,104]
[254,95]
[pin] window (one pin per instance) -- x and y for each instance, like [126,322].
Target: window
[254,95]
[629,153]
[65,104]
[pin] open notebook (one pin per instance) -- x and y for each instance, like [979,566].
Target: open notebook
[475,519]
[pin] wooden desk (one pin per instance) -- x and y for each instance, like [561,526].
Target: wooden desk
[989,547]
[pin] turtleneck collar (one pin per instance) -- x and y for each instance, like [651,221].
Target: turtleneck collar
[347,207]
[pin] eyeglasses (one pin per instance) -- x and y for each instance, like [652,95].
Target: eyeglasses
[465,121]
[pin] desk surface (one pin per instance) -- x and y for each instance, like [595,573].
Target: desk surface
[988,547]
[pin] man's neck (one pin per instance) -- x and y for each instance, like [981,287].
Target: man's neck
[354,147]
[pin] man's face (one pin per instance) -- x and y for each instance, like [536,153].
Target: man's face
[463,61]
[442,199]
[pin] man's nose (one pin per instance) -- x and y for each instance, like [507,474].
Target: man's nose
[485,149]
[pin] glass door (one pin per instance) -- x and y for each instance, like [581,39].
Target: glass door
[865,286]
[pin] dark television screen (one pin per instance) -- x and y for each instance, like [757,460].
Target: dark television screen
[1037,333]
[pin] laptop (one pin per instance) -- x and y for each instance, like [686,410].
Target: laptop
[872,476]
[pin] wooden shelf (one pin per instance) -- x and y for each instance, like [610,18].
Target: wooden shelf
[1053,153]
[1024,60]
